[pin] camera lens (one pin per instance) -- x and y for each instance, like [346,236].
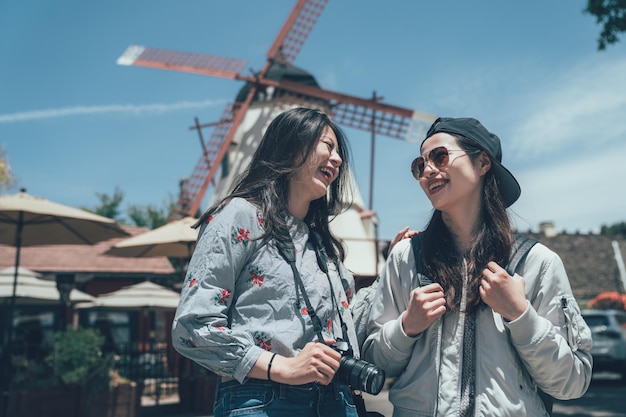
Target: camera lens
[361,375]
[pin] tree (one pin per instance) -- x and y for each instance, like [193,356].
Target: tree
[150,215]
[7,179]
[612,15]
[617,229]
[109,205]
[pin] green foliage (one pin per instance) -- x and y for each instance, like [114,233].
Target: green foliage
[150,215]
[75,358]
[7,179]
[617,229]
[30,374]
[109,205]
[612,15]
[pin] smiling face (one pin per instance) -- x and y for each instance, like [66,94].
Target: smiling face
[456,185]
[311,181]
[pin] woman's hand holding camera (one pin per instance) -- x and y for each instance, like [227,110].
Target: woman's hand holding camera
[317,362]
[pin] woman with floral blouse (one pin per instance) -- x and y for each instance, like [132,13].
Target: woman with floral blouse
[241,313]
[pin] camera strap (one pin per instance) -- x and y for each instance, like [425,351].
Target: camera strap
[288,252]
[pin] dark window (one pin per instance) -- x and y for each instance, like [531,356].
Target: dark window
[596,320]
[621,320]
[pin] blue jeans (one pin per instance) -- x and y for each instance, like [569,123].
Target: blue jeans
[259,398]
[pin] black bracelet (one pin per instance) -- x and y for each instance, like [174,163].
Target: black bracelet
[269,366]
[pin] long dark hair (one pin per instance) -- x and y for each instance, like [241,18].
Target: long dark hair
[492,241]
[288,141]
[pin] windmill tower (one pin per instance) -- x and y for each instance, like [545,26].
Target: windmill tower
[280,85]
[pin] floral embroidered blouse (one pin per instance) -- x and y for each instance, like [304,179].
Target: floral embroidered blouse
[239,296]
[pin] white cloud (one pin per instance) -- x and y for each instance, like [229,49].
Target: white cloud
[583,107]
[582,193]
[569,148]
[111,108]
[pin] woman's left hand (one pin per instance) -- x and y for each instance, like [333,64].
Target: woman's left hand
[405,233]
[505,294]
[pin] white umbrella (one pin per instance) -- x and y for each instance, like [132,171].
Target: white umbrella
[176,239]
[26,220]
[144,295]
[31,289]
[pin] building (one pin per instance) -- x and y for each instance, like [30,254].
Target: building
[87,268]
[592,261]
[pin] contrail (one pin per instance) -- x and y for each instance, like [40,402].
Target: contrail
[111,108]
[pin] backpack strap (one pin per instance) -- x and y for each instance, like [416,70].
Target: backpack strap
[519,250]
[416,244]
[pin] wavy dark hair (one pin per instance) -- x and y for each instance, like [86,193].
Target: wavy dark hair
[287,143]
[492,241]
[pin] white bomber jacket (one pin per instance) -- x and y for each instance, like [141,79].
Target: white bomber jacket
[547,347]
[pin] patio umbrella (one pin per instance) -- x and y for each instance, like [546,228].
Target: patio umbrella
[176,239]
[31,289]
[31,220]
[26,220]
[144,295]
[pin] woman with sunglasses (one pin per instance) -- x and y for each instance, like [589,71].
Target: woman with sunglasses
[463,337]
[246,312]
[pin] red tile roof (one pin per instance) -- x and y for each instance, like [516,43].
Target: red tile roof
[85,258]
[589,260]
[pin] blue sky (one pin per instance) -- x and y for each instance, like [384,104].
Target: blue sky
[74,123]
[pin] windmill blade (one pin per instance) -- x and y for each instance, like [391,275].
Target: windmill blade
[410,125]
[392,121]
[203,64]
[194,188]
[389,120]
[295,31]
[285,48]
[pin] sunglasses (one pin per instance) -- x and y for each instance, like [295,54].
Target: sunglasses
[438,158]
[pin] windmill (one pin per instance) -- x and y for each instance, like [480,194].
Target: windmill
[277,86]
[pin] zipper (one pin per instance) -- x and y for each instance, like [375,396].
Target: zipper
[568,325]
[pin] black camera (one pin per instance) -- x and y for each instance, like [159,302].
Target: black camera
[359,374]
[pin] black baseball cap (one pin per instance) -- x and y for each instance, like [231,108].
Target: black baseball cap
[472,129]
